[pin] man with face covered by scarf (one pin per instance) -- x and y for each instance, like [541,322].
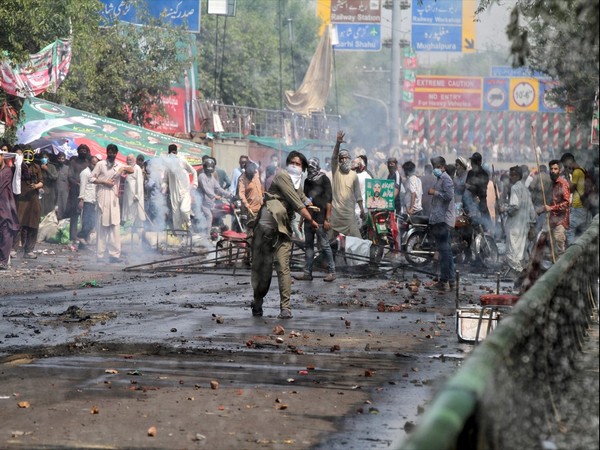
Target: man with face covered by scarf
[318,188]
[272,240]
[346,192]
[29,207]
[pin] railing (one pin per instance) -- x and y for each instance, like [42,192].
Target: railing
[510,393]
[270,123]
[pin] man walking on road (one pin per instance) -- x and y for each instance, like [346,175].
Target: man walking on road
[442,220]
[318,188]
[272,242]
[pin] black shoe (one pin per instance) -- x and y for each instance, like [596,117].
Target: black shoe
[257,310]
[115,260]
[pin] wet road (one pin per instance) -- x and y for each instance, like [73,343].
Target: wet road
[359,377]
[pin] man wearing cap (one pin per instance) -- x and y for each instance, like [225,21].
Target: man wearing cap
[476,187]
[442,219]
[346,192]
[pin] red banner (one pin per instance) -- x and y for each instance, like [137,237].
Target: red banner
[45,70]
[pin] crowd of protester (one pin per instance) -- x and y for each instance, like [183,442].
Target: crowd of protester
[302,201]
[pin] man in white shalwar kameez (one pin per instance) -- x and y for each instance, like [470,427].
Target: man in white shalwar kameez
[346,192]
[133,194]
[521,215]
[107,176]
[177,181]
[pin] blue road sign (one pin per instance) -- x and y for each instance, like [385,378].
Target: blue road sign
[517,72]
[495,94]
[437,26]
[436,38]
[358,37]
[174,11]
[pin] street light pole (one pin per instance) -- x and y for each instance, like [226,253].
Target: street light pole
[382,103]
[291,36]
[394,126]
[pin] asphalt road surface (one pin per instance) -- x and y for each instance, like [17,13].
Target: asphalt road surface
[94,356]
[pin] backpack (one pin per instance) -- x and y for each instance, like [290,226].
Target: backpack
[590,191]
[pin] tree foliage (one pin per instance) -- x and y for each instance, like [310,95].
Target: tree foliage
[559,38]
[240,55]
[116,71]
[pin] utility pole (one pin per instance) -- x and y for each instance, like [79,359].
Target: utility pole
[395,79]
[291,36]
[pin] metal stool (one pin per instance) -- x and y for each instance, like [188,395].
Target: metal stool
[234,245]
[494,305]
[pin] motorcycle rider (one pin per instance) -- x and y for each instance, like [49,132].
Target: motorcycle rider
[210,191]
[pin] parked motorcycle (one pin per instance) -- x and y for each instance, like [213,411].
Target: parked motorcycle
[468,241]
[224,208]
[382,230]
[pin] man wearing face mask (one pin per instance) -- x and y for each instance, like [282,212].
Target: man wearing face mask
[29,207]
[250,191]
[442,220]
[318,188]
[210,191]
[107,177]
[272,241]
[346,192]
[50,174]
[558,208]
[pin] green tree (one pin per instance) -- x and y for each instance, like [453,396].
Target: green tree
[240,55]
[116,71]
[559,38]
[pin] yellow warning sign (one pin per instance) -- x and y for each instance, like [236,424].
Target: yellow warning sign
[468,26]
[524,94]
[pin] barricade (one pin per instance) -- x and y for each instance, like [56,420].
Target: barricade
[508,392]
